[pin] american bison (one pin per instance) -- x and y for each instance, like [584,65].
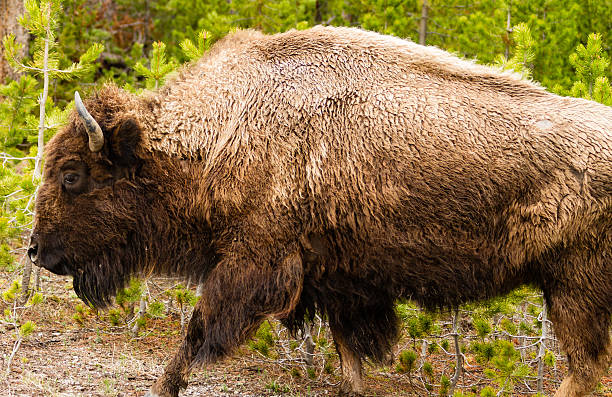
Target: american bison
[336,170]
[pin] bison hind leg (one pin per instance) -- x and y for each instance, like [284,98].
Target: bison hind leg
[585,371]
[577,285]
[580,313]
[370,331]
[359,332]
[585,338]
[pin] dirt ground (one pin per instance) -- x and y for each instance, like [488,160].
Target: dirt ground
[63,357]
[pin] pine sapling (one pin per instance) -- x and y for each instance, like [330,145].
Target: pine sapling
[591,64]
[159,66]
[41,21]
[523,52]
[14,318]
[193,51]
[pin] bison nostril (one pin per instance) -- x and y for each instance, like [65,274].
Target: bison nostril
[33,252]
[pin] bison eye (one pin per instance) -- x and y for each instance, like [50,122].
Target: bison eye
[73,177]
[70,178]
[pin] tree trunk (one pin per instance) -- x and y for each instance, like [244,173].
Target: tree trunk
[142,308]
[542,349]
[508,32]
[424,346]
[423,23]
[37,174]
[37,280]
[318,16]
[9,11]
[199,289]
[309,345]
[458,357]
[25,280]
[42,100]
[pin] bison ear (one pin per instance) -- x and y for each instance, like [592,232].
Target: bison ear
[124,143]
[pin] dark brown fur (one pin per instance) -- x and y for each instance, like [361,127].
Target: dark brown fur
[337,170]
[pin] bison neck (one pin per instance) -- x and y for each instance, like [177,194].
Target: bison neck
[174,236]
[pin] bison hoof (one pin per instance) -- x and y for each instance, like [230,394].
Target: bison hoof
[347,391]
[344,393]
[151,393]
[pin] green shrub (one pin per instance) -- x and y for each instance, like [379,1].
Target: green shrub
[407,359]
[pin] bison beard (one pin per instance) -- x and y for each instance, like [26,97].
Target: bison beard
[98,283]
[337,170]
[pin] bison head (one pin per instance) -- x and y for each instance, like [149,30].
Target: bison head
[86,209]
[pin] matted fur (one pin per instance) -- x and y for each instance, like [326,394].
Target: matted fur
[339,170]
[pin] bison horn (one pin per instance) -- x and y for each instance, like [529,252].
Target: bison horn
[96,138]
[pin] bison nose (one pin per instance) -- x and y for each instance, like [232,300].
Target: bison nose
[33,252]
[33,249]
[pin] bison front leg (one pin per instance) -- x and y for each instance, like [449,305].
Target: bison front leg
[350,362]
[236,298]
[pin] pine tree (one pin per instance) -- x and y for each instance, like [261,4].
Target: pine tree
[195,51]
[41,21]
[159,66]
[523,52]
[591,64]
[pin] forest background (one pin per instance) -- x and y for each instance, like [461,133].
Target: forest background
[499,347]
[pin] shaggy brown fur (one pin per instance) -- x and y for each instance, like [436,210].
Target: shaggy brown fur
[338,170]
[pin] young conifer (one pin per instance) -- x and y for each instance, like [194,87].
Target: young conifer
[41,20]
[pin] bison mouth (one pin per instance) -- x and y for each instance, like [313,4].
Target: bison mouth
[95,281]
[61,269]
[50,259]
